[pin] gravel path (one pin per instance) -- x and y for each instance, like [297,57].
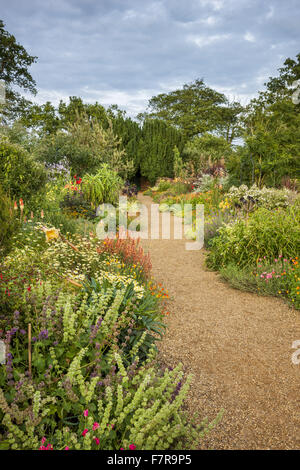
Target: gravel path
[237,345]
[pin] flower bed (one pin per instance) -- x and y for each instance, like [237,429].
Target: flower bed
[80,323]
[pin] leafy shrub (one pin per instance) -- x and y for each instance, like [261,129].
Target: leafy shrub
[266,233]
[20,175]
[164,185]
[84,147]
[103,187]
[9,223]
[213,222]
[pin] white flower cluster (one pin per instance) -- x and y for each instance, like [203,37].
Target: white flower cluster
[270,198]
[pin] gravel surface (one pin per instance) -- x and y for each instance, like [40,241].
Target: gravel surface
[238,347]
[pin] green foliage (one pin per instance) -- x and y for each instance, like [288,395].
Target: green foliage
[8,222]
[179,170]
[15,62]
[21,175]
[271,132]
[130,135]
[85,145]
[266,233]
[280,279]
[194,108]
[94,381]
[163,185]
[156,149]
[102,187]
[47,119]
[205,150]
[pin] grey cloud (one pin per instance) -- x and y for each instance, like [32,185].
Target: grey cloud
[130,50]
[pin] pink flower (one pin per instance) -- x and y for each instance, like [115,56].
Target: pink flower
[275,260]
[86,413]
[43,440]
[95,426]
[121,448]
[97,440]
[49,447]
[132,447]
[67,448]
[84,432]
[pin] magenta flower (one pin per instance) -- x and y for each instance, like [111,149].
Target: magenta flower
[95,426]
[67,448]
[84,432]
[86,413]
[97,440]
[132,447]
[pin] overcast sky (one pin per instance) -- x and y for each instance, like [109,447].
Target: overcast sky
[126,51]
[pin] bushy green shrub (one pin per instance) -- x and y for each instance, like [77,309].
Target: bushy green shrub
[164,185]
[266,233]
[103,187]
[20,175]
[85,145]
[9,223]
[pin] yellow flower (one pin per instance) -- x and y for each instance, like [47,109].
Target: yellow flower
[51,234]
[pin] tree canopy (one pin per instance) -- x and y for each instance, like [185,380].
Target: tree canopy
[14,64]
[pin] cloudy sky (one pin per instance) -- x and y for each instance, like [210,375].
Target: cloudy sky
[126,51]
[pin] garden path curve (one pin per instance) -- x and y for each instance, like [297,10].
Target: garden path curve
[237,345]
